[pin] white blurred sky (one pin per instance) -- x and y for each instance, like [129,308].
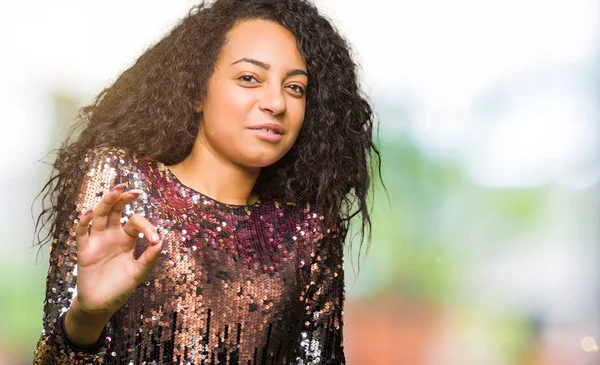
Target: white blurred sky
[505,84]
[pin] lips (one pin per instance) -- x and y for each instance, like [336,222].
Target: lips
[269,128]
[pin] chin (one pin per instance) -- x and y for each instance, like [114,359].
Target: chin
[259,154]
[261,163]
[261,159]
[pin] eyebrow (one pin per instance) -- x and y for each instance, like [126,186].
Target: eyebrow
[266,66]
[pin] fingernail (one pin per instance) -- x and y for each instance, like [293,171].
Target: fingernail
[135,191]
[88,211]
[118,186]
[155,238]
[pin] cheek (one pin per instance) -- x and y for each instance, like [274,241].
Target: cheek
[234,99]
[226,111]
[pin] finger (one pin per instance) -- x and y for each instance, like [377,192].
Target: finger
[114,217]
[101,212]
[138,224]
[81,230]
[148,259]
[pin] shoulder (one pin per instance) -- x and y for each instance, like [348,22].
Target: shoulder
[304,214]
[103,167]
[106,155]
[112,160]
[324,238]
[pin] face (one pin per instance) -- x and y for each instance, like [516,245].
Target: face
[255,100]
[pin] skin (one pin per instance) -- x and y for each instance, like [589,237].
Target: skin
[241,93]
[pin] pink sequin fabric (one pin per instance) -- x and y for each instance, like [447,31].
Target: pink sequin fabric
[234,284]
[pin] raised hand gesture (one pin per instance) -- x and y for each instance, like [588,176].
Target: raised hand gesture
[107,272]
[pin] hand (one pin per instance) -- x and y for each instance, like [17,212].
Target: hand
[107,272]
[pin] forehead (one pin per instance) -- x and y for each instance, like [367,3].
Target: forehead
[263,40]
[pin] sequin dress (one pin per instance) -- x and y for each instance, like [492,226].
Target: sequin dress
[234,284]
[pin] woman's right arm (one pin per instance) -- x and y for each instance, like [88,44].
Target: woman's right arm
[92,270]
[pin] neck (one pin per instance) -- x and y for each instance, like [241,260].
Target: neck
[204,171]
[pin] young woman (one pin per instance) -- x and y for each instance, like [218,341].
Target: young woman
[199,214]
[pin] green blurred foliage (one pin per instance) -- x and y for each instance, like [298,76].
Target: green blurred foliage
[21,302]
[428,219]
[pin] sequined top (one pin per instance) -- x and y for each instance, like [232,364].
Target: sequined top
[234,284]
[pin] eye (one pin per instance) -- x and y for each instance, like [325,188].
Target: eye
[297,89]
[247,79]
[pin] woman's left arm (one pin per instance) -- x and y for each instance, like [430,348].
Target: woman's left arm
[321,337]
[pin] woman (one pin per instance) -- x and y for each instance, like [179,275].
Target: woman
[237,149]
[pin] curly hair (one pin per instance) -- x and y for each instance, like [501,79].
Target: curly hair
[149,111]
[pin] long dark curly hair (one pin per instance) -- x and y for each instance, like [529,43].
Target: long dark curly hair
[149,111]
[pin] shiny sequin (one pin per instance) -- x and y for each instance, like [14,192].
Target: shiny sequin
[234,284]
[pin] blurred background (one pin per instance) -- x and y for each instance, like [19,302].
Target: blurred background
[485,248]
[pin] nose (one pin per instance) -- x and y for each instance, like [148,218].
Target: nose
[272,100]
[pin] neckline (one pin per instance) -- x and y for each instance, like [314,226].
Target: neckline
[174,177]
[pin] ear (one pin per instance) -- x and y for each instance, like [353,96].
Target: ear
[197,104]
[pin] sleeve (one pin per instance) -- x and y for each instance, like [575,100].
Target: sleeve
[100,168]
[321,337]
